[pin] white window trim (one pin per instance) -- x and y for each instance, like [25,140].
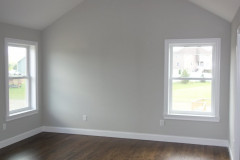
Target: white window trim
[214,117]
[33,97]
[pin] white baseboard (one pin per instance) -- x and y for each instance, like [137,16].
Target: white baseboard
[139,136]
[20,137]
[230,152]
[117,134]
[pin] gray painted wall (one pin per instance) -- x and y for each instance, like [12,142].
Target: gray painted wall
[233,109]
[21,125]
[105,59]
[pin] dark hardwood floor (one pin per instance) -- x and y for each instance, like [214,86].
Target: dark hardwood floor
[51,146]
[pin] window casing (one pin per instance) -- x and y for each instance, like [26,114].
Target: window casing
[192,74]
[21,78]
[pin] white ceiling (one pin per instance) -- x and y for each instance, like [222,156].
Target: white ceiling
[223,8]
[35,14]
[38,14]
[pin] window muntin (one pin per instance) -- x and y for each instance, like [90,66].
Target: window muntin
[192,75]
[21,78]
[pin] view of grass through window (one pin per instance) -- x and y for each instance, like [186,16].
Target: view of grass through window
[191,96]
[17,94]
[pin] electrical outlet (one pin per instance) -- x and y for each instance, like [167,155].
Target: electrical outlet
[162,123]
[4,126]
[85,117]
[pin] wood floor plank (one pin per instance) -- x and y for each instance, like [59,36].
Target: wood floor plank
[52,146]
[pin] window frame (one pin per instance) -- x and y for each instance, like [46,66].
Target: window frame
[196,116]
[31,78]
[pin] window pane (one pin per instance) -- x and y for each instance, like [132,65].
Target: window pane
[192,62]
[191,96]
[18,94]
[17,64]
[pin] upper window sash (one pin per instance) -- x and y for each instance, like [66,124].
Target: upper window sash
[27,76]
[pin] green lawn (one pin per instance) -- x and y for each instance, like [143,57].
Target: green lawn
[191,91]
[180,85]
[181,92]
[17,93]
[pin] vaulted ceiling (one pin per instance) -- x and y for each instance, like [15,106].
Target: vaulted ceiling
[35,14]
[223,8]
[38,14]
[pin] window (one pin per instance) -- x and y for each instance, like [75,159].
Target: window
[192,79]
[21,78]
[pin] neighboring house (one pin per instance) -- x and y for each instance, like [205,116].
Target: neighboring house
[21,70]
[192,59]
[21,66]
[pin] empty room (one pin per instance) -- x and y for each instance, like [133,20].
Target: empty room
[119,80]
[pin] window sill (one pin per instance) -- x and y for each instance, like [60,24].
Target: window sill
[22,114]
[192,117]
